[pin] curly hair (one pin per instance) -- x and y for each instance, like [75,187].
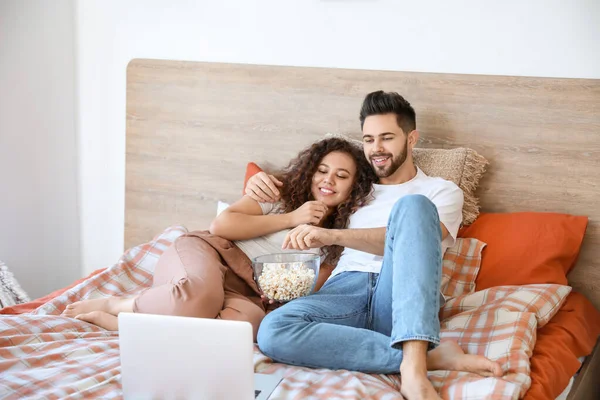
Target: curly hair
[297,178]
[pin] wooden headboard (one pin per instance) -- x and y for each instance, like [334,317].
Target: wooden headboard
[192,127]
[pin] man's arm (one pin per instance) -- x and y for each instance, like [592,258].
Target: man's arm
[371,240]
[306,237]
[262,187]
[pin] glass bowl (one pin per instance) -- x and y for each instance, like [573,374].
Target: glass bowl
[286,276]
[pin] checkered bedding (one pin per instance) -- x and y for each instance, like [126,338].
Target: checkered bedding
[45,355]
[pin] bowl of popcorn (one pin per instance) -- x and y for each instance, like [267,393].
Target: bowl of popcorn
[286,276]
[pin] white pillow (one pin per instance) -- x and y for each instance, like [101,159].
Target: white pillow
[221,206]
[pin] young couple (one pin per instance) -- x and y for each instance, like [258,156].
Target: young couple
[378,311]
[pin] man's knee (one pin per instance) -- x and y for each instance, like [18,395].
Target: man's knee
[272,338]
[265,335]
[414,202]
[414,205]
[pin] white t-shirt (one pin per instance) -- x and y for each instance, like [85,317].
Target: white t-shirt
[271,243]
[447,197]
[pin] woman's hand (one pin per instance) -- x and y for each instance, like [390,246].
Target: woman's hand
[270,304]
[310,213]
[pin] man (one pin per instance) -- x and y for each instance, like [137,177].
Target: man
[378,314]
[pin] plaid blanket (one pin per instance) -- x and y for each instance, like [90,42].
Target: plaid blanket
[45,355]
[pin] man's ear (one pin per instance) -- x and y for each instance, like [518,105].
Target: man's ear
[413,138]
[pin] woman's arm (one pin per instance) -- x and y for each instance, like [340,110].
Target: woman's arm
[244,219]
[324,273]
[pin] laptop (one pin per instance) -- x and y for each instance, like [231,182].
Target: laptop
[165,357]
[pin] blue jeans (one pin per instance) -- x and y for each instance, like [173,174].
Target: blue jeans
[358,320]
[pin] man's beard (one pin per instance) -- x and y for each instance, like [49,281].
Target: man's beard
[385,172]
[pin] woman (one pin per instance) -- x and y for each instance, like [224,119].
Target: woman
[209,274]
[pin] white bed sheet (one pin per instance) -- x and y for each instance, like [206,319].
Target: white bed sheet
[565,393]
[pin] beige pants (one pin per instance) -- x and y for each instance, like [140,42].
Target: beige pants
[204,276]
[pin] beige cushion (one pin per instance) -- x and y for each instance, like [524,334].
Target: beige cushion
[463,166]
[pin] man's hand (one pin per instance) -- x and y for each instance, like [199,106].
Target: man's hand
[306,237]
[262,187]
[311,212]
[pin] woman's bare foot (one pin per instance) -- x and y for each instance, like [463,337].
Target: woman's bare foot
[110,305]
[86,306]
[449,356]
[100,318]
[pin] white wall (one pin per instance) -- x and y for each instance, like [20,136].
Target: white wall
[39,224]
[553,38]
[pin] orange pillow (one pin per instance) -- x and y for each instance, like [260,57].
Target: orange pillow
[251,170]
[526,248]
[570,334]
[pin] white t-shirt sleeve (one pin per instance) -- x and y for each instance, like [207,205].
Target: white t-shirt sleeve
[449,203]
[271,208]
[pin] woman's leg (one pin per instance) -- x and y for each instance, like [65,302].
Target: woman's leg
[102,319]
[238,308]
[235,308]
[188,281]
[111,305]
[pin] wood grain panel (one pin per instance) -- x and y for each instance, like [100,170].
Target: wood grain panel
[192,127]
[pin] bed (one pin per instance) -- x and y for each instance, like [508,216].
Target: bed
[192,128]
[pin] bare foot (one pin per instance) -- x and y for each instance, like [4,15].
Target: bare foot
[86,306]
[110,305]
[416,386]
[102,319]
[450,356]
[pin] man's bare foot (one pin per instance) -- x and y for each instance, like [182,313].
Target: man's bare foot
[450,356]
[416,386]
[110,305]
[102,319]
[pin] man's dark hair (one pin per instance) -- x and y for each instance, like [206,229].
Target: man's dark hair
[380,102]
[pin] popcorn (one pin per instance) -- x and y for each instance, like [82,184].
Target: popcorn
[285,282]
